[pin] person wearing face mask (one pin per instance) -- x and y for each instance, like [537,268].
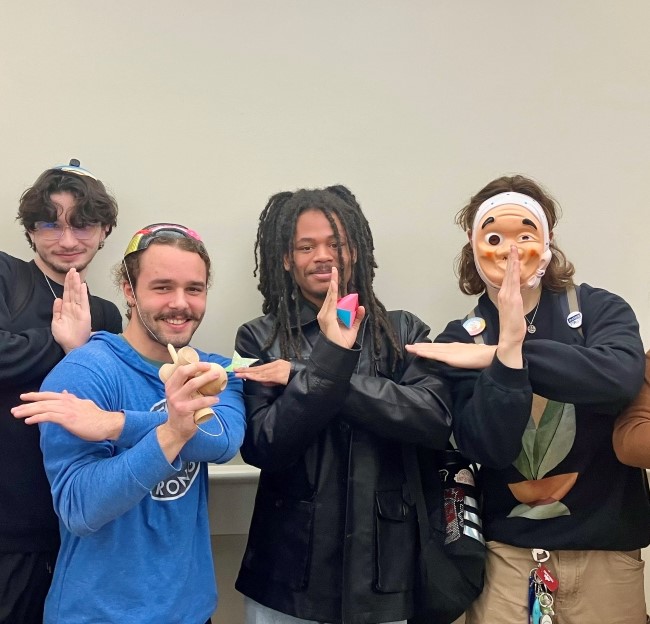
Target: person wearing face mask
[564,519]
[45,312]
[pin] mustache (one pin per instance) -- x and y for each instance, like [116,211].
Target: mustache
[322,269]
[186,316]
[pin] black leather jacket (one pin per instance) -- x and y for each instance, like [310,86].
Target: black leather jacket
[333,536]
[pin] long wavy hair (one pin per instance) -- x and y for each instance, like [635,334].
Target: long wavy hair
[559,273]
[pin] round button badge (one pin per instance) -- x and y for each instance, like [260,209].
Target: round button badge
[574,319]
[474,326]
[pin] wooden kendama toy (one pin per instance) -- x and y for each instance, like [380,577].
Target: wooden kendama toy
[187,355]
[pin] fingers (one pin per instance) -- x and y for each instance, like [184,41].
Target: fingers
[199,402]
[333,291]
[327,317]
[361,314]
[71,287]
[422,349]
[75,292]
[84,299]
[457,354]
[513,268]
[512,325]
[516,267]
[273,373]
[510,291]
[329,305]
[191,377]
[41,396]
[41,411]
[57,309]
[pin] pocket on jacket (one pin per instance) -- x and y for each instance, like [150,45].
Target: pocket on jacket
[281,536]
[395,542]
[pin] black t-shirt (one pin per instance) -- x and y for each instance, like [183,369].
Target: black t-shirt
[28,352]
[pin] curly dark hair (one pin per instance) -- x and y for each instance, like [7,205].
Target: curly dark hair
[559,273]
[275,238]
[93,202]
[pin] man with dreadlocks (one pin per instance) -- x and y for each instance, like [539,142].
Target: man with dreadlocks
[333,533]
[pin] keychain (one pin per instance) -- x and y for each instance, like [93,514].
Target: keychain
[541,585]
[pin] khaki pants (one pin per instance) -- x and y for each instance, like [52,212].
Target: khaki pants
[595,586]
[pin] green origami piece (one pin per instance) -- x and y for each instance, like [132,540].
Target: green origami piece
[239,362]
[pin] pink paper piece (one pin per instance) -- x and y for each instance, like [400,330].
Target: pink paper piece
[346,309]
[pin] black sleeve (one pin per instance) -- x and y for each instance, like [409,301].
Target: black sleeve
[411,404]
[29,354]
[491,406]
[111,318]
[607,371]
[283,421]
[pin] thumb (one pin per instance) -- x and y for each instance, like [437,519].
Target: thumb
[361,314]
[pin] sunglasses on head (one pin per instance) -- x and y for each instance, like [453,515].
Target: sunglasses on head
[142,238]
[75,167]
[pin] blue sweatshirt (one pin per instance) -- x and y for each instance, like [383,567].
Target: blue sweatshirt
[135,539]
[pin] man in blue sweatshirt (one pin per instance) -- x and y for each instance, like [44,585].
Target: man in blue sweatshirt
[127,467]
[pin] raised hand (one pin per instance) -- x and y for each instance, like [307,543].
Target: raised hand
[512,325]
[71,314]
[328,319]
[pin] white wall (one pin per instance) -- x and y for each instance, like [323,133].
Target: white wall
[199,111]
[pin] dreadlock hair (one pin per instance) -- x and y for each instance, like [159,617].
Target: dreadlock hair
[275,238]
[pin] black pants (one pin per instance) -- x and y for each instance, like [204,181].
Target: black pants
[25,579]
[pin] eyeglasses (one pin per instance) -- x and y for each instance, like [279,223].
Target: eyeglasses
[54,231]
[142,238]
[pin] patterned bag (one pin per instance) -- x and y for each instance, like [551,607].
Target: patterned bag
[452,548]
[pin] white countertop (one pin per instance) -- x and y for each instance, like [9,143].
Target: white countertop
[233,472]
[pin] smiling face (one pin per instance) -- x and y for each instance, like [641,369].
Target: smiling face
[171,295]
[56,257]
[496,231]
[315,252]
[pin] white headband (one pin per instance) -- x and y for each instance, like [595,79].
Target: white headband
[518,199]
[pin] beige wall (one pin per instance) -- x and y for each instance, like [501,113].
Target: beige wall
[198,111]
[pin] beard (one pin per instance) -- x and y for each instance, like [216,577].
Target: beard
[156,328]
[62,269]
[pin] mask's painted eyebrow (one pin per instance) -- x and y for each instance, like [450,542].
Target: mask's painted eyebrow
[529,222]
[487,222]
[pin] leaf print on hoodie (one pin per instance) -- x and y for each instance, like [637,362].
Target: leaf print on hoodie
[548,438]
